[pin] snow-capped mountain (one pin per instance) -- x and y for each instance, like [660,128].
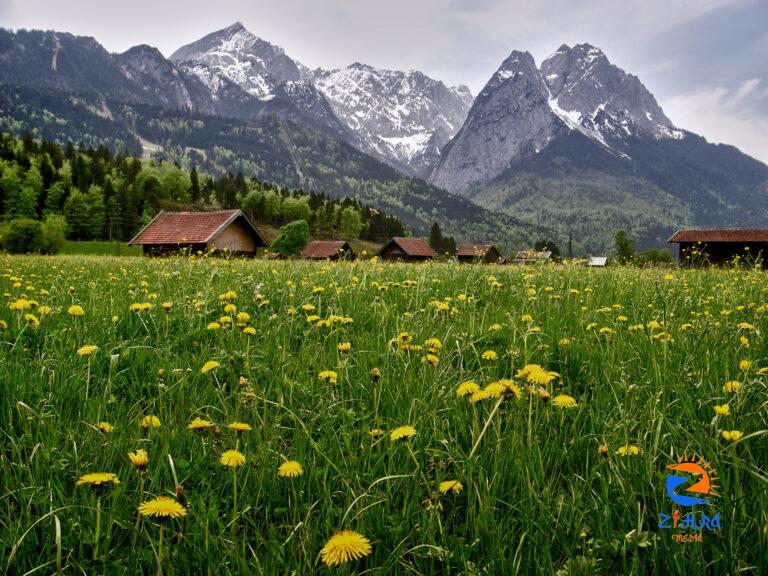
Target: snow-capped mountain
[522,109]
[235,56]
[403,118]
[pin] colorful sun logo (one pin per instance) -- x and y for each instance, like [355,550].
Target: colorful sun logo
[699,472]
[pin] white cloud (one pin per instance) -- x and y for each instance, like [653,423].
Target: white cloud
[726,115]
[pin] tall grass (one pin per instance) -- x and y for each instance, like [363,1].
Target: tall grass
[538,497]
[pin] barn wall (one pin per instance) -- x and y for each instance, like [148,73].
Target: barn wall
[236,237]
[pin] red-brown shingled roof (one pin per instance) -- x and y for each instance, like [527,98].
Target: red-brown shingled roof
[414,246]
[184,227]
[473,250]
[322,249]
[721,235]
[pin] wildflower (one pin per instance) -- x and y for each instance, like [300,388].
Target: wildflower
[32,319]
[75,310]
[243,317]
[44,310]
[745,365]
[744,341]
[402,433]
[150,421]
[629,450]
[489,355]
[239,426]
[345,546]
[167,306]
[733,435]
[162,508]
[87,350]
[565,342]
[140,459]
[213,326]
[526,318]
[453,486]
[723,409]
[375,374]
[250,330]
[232,458]
[210,365]
[228,296]
[732,386]
[606,330]
[199,424]
[230,308]
[431,359]
[98,478]
[466,388]
[564,401]
[344,347]
[106,427]
[745,326]
[376,432]
[290,469]
[494,327]
[328,376]
[603,450]
[433,345]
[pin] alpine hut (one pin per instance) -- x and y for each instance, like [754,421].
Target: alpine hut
[407,250]
[486,253]
[720,246]
[328,250]
[220,231]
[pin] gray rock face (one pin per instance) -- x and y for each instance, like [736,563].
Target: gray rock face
[511,117]
[600,99]
[403,118]
[162,81]
[235,56]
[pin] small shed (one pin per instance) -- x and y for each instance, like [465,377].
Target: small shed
[223,230]
[486,253]
[721,245]
[532,256]
[407,249]
[328,250]
[597,261]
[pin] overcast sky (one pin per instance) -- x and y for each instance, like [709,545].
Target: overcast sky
[706,61]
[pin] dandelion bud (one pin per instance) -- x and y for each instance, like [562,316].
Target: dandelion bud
[603,451]
[376,374]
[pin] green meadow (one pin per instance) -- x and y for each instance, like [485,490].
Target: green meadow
[457,419]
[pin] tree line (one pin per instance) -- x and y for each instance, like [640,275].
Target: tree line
[93,194]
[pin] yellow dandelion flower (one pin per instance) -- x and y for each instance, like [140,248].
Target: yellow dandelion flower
[98,478]
[239,426]
[87,350]
[376,432]
[732,435]
[106,427]
[167,306]
[402,433]
[162,508]
[345,546]
[32,319]
[565,342]
[75,310]
[453,486]
[723,409]
[199,424]
[344,347]
[232,458]
[250,330]
[564,401]
[328,376]
[732,386]
[290,469]
[489,355]
[150,421]
[745,365]
[140,459]
[210,365]
[494,327]
[431,359]
[629,450]
[466,388]
[213,326]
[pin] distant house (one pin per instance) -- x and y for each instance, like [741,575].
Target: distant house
[597,261]
[407,249]
[531,256]
[719,246]
[328,250]
[486,253]
[224,230]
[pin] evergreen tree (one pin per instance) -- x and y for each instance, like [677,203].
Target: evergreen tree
[436,238]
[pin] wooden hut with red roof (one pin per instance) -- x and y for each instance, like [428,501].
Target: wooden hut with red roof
[486,253]
[407,250]
[220,231]
[328,250]
[721,245]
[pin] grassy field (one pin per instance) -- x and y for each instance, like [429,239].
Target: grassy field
[556,397]
[99,248]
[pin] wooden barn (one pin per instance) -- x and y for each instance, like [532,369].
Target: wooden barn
[531,257]
[328,250]
[407,250]
[486,253]
[224,230]
[721,246]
